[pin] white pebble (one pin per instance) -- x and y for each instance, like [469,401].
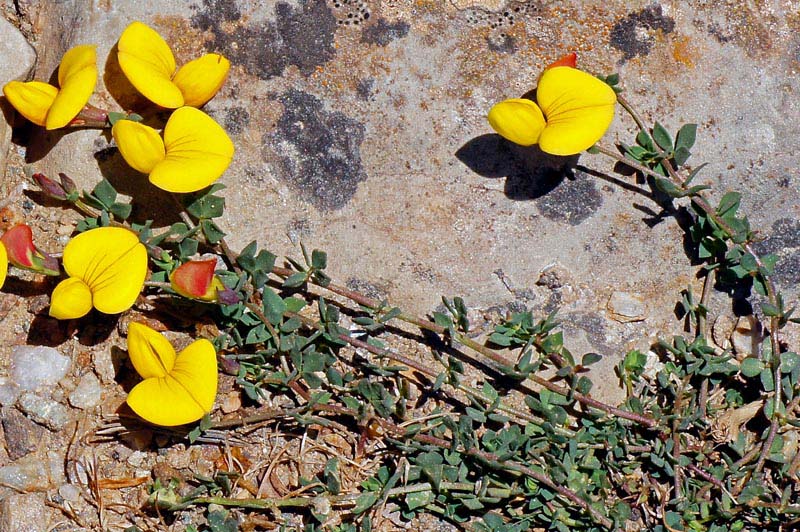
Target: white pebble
[35,366]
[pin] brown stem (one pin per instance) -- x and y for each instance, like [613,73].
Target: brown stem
[90,117]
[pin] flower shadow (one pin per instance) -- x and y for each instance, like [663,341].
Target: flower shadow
[529,172]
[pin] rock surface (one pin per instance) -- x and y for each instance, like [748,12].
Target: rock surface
[33,367]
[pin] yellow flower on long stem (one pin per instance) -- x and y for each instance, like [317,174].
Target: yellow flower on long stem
[574,111]
[177,388]
[194,152]
[106,267]
[53,107]
[149,65]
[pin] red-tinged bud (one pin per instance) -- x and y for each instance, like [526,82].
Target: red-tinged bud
[569,60]
[68,184]
[195,279]
[226,296]
[50,187]
[22,253]
[229,366]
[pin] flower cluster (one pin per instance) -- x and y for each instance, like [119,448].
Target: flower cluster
[106,267]
[572,111]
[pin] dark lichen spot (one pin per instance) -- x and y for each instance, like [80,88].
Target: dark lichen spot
[236,119]
[502,43]
[383,32]
[318,150]
[785,234]
[367,288]
[594,325]
[301,36]
[572,201]
[787,271]
[631,35]
[365,89]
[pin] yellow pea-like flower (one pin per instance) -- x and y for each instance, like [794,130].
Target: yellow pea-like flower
[107,267]
[148,63]
[3,264]
[574,111]
[177,388]
[52,107]
[194,152]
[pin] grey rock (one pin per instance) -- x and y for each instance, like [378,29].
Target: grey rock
[88,393]
[9,392]
[21,434]
[70,492]
[35,366]
[47,412]
[626,307]
[33,472]
[24,512]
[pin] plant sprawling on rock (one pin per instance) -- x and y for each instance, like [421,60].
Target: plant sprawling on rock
[557,459]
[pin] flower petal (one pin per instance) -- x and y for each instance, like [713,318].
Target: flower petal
[578,107]
[193,279]
[77,77]
[140,145]
[148,63]
[70,299]
[18,243]
[201,79]
[185,395]
[518,120]
[3,264]
[151,354]
[198,152]
[113,262]
[32,99]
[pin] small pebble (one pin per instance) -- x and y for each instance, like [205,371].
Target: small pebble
[9,392]
[47,412]
[35,366]
[88,393]
[70,492]
[626,307]
[231,402]
[137,458]
[29,473]
[746,337]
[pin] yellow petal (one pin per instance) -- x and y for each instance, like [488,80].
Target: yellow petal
[198,152]
[70,299]
[3,264]
[201,79]
[148,63]
[140,145]
[183,396]
[517,120]
[32,99]
[578,107]
[77,77]
[113,262]
[151,354]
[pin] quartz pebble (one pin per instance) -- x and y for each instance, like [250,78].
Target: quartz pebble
[626,307]
[47,412]
[88,393]
[35,366]
[9,392]
[24,512]
[33,473]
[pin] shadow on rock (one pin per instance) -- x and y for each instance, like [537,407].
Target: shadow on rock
[529,172]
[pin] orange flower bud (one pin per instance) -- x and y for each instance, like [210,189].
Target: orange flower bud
[22,253]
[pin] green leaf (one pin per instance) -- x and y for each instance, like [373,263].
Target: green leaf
[750,367]
[274,307]
[681,155]
[729,203]
[694,173]
[686,137]
[105,193]
[121,210]
[211,231]
[662,137]
[220,521]
[419,499]
[206,206]
[591,358]
[187,247]
[789,361]
[294,280]
[364,502]
[319,259]
[668,187]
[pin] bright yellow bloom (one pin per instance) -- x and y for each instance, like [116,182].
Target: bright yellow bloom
[177,388]
[574,111]
[48,106]
[149,65]
[195,150]
[106,267]
[3,264]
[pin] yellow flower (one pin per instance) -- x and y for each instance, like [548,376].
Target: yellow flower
[149,65]
[106,267]
[195,150]
[177,388]
[3,264]
[574,111]
[48,106]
